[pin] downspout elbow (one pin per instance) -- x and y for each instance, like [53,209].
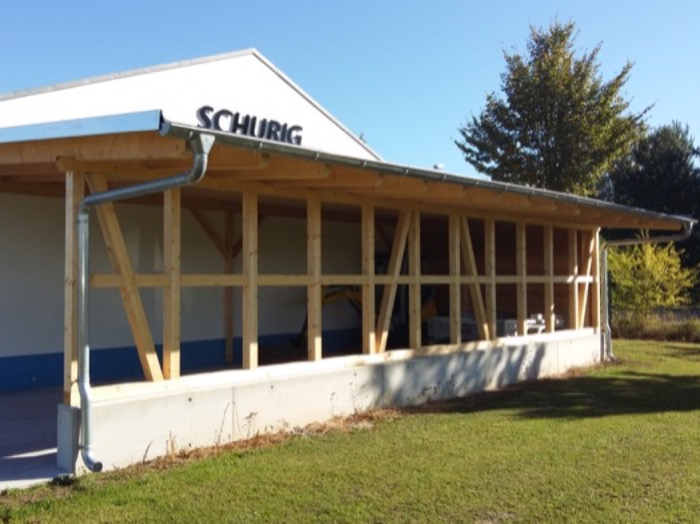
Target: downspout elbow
[201,145]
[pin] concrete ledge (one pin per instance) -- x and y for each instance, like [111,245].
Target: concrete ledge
[140,421]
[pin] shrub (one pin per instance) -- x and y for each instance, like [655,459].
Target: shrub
[646,277]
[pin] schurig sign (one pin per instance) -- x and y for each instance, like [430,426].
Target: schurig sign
[249,125]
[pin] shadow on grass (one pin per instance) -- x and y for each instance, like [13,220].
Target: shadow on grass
[627,392]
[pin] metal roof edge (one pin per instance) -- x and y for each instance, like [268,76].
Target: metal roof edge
[184,131]
[187,63]
[93,126]
[124,74]
[314,103]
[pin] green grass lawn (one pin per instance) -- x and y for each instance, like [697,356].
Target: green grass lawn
[619,443]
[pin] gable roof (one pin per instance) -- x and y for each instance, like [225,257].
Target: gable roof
[243,83]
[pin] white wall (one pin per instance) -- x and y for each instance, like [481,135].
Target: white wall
[137,422]
[32,264]
[244,83]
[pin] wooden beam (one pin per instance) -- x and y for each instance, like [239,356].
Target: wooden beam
[75,192]
[455,266]
[281,171]
[549,311]
[116,248]
[521,269]
[234,159]
[470,267]
[398,247]
[337,180]
[587,262]
[369,340]
[395,187]
[574,317]
[595,297]
[250,274]
[210,230]
[490,267]
[113,280]
[229,257]
[172,250]
[414,288]
[126,146]
[314,292]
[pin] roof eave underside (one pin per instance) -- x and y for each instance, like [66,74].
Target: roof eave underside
[335,177]
[605,214]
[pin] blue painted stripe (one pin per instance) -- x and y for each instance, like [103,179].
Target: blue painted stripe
[112,365]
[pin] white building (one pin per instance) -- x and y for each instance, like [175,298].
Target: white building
[295,244]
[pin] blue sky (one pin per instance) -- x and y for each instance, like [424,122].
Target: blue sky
[405,74]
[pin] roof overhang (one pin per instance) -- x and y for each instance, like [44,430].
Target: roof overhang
[135,147]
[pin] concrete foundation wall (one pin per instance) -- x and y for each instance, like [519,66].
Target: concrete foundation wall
[141,421]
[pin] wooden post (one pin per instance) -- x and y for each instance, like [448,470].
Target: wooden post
[369,339]
[595,297]
[172,249]
[394,269]
[574,317]
[75,192]
[228,290]
[490,266]
[414,288]
[549,312]
[521,266]
[314,290]
[455,264]
[250,275]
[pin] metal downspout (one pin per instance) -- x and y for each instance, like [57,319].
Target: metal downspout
[200,144]
[606,342]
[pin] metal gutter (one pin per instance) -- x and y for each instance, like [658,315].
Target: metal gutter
[153,121]
[200,144]
[606,334]
[173,129]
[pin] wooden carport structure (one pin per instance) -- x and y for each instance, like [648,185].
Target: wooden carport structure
[505,251]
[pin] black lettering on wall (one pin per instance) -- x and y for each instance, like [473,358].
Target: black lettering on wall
[204,116]
[217,120]
[237,123]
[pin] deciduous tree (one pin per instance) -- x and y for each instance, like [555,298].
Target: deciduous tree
[558,125]
[649,276]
